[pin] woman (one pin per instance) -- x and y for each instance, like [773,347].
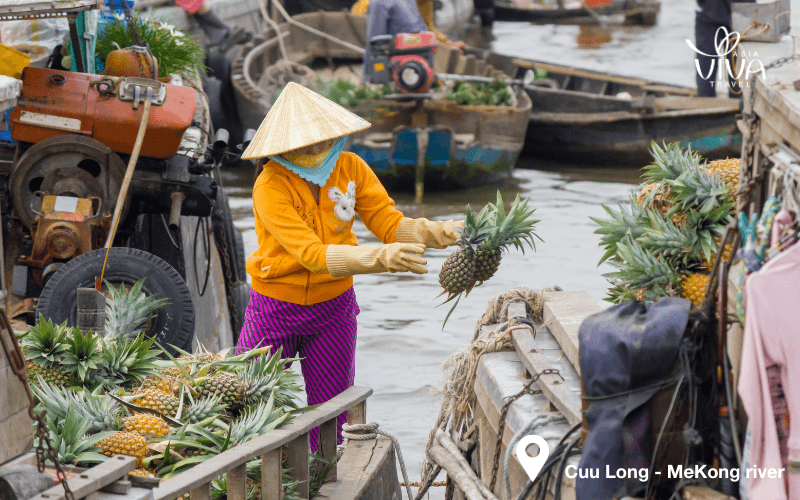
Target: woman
[305,200]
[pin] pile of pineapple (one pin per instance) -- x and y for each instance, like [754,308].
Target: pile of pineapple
[665,240]
[481,243]
[124,394]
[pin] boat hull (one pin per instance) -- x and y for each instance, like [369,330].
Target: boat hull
[643,13]
[463,145]
[628,142]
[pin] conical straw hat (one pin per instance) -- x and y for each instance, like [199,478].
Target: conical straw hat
[301,117]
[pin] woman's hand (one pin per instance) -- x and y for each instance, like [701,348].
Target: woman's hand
[347,260]
[432,234]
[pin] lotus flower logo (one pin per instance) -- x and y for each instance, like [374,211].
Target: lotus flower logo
[726,46]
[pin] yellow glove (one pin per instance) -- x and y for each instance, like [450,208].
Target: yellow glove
[348,260]
[432,234]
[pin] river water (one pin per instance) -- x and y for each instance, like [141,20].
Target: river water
[401,342]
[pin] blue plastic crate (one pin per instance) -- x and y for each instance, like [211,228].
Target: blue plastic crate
[5,130]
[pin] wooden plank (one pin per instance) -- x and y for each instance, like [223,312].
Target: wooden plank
[580,73]
[237,483]
[271,475]
[358,413]
[563,313]
[352,465]
[367,472]
[327,444]
[16,433]
[297,452]
[239,455]
[93,479]
[560,396]
[703,493]
[202,492]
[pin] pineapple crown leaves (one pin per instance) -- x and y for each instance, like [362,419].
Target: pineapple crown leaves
[46,341]
[629,221]
[641,269]
[84,355]
[708,227]
[101,411]
[268,374]
[256,421]
[201,409]
[476,227]
[515,228]
[669,162]
[697,189]
[665,238]
[126,361]
[127,311]
[71,442]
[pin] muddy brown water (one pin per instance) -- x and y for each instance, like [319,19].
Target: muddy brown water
[401,342]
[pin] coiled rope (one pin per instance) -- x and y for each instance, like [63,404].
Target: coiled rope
[365,432]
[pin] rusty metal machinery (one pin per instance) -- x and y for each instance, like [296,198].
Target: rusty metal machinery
[65,227]
[66,165]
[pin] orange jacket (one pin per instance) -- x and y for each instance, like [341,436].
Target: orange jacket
[294,232]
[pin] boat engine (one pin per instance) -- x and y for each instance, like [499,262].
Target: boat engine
[76,132]
[406,58]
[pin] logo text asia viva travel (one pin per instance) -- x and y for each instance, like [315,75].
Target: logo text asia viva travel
[726,45]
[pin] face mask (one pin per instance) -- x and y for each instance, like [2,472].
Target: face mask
[319,173]
[306,161]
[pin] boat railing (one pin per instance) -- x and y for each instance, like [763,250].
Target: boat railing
[233,463]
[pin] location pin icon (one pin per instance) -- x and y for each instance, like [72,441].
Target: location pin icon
[532,465]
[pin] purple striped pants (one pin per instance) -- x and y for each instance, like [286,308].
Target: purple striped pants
[324,336]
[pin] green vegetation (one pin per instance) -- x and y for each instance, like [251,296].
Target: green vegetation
[494,93]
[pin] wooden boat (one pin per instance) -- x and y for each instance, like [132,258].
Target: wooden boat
[601,118]
[643,12]
[465,144]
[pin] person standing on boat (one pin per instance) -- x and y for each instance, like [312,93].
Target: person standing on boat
[219,33]
[711,15]
[305,201]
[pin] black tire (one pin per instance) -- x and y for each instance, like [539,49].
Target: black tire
[213,89]
[241,257]
[241,298]
[173,324]
[225,231]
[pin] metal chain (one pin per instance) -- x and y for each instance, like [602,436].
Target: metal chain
[525,390]
[16,360]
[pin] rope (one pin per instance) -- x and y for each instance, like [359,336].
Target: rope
[460,369]
[365,432]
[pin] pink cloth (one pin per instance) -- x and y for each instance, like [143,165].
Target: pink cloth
[190,6]
[772,325]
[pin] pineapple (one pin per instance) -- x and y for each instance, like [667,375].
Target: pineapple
[708,259]
[268,375]
[693,287]
[727,170]
[669,163]
[514,228]
[145,423]
[153,399]
[163,384]
[698,190]
[129,311]
[657,196]
[629,221]
[44,348]
[83,356]
[225,385]
[124,443]
[72,441]
[458,271]
[51,374]
[100,411]
[140,473]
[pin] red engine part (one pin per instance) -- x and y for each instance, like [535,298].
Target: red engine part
[413,68]
[59,103]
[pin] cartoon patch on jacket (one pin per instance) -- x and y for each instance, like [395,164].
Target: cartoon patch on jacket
[344,203]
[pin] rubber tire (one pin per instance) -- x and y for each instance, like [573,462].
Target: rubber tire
[213,89]
[241,298]
[241,258]
[224,230]
[174,322]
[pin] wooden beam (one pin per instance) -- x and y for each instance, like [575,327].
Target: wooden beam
[297,459]
[703,493]
[552,386]
[358,413]
[93,479]
[327,445]
[580,73]
[202,492]
[563,314]
[236,479]
[271,475]
[225,461]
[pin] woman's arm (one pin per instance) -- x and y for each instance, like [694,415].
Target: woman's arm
[373,203]
[274,206]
